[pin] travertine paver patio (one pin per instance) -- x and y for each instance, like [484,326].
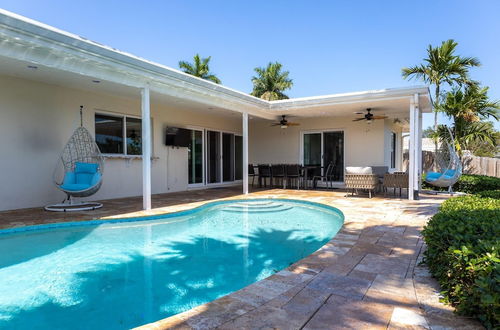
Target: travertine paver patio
[366,277]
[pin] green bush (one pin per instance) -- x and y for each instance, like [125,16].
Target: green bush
[471,184]
[489,193]
[462,253]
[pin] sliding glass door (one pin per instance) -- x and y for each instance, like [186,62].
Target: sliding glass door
[224,157]
[323,148]
[333,152]
[238,157]
[213,157]
[195,158]
[312,149]
[227,157]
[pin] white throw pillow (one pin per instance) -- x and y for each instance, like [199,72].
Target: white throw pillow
[358,170]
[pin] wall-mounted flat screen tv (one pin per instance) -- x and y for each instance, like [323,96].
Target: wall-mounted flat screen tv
[178,137]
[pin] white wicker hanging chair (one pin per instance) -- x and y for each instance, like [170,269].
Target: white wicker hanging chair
[449,167]
[79,171]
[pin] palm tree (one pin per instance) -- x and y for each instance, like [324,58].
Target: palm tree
[199,68]
[469,108]
[442,66]
[470,104]
[271,82]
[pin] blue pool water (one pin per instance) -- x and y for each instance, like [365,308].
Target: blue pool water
[124,274]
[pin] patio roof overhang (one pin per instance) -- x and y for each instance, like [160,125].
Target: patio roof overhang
[72,59]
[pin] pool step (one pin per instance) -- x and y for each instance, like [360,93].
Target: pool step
[256,207]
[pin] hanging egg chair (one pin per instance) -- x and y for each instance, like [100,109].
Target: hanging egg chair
[449,167]
[78,172]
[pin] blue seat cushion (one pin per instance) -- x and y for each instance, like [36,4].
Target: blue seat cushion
[86,175]
[89,168]
[75,186]
[432,176]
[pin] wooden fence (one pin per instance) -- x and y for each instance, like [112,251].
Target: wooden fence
[471,164]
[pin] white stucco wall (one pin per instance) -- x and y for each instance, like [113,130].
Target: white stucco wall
[364,143]
[37,119]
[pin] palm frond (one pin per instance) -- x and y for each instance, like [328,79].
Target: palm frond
[199,68]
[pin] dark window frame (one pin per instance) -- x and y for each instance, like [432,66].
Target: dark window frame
[123,118]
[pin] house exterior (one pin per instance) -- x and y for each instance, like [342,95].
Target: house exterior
[130,104]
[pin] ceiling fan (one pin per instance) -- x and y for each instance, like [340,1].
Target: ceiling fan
[284,123]
[369,116]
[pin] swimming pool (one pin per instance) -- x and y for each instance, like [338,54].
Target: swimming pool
[127,272]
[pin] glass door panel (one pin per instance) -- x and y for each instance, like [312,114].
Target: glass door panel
[238,157]
[227,157]
[333,152]
[195,157]
[312,149]
[213,157]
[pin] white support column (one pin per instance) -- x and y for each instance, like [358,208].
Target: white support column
[245,153]
[414,157]
[146,149]
[419,151]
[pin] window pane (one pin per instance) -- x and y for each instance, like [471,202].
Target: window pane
[238,157]
[312,149]
[334,153]
[134,136]
[109,134]
[195,158]
[227,157]
[213,157]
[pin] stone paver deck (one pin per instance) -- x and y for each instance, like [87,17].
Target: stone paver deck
[367,277]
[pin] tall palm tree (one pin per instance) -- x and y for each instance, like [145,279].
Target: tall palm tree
[469,108]
[271,82]
[199,68]
[442,66]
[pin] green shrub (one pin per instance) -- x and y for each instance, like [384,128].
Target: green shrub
[463,247]
[471,184]
[489,194]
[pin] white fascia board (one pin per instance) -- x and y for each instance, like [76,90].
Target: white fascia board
[349,98]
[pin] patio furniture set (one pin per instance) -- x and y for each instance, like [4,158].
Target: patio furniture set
[357,179]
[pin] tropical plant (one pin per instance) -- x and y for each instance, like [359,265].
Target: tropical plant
[442,66]
[484,149]
[469,107]
[199,68]
[428,132]
[271,82]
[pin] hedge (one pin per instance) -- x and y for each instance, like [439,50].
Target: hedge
[489,193]
[463,255]
[471,184]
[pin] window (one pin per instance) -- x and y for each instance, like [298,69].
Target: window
[393,150]
[118,134]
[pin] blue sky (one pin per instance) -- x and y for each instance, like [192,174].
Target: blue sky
[328,46]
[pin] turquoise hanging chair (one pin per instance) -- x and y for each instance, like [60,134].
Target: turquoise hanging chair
[79,171]
[449,167]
